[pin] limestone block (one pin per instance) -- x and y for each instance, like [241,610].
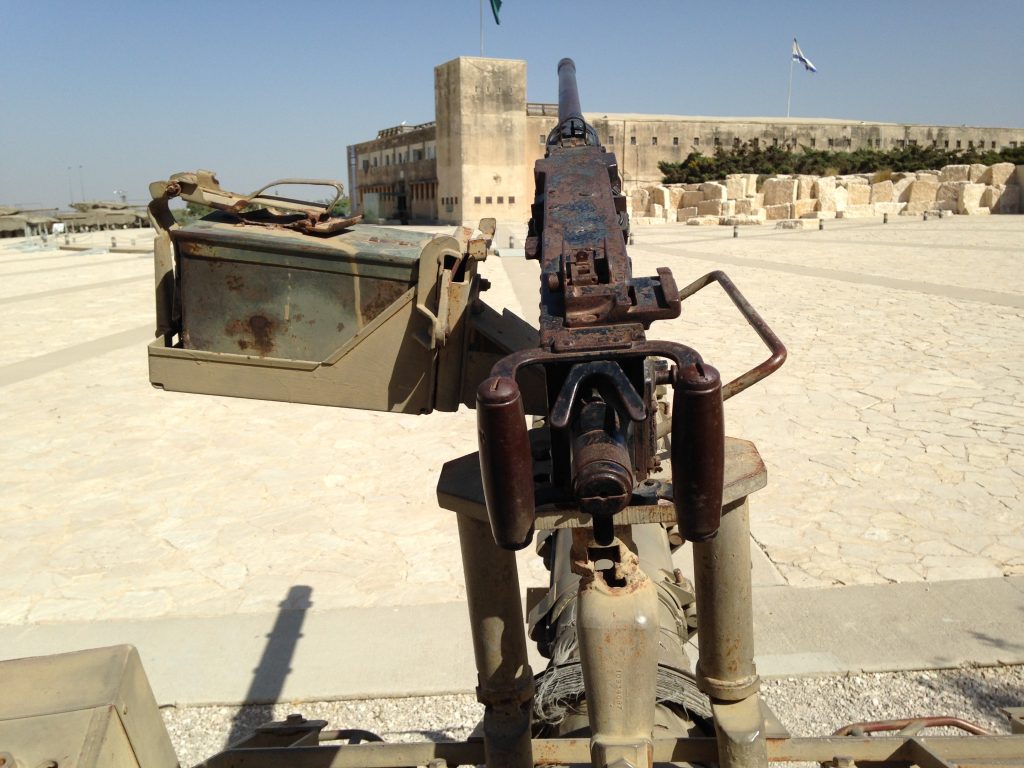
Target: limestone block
[657,211]
[970,197]
[928,176]
[1019,175]
[999,174]
[741,220]
[858,194]
[978,171]
[641,199]
[891,208]
[955,173]
[710,208]
[686,213]
[713,191]
[691,198]
[736,186]
[744,206]
[858,211]
[977,212]
[948,194]
[751,184]
[900,186]
[1003,199]
[805,187]
[759,199]
[675,196]
[661,196]
[917,208]
[882,192]
[803,207]
[922,192]
[824,186]
[901,175]
[779,192]
[781,211]
[841,198]
[703,221]
[790,224]
[819,215]
[670,215]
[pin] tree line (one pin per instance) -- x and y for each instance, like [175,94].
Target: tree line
[767,161]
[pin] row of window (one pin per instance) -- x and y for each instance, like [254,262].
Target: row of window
[488,200]
[844,141]
[426,190]
[400,157]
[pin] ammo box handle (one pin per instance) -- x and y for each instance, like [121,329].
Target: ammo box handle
[291,203]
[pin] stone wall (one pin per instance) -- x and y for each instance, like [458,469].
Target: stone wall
[971,190]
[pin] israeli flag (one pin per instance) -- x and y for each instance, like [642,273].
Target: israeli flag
[798,55]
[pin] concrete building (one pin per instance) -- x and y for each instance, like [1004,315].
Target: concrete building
[477,158]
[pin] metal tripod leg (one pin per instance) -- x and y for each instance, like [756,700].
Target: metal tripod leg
[725,670]
[504,678]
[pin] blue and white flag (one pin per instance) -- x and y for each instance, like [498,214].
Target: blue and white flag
[798,55]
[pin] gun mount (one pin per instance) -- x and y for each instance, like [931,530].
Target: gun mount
[272,297]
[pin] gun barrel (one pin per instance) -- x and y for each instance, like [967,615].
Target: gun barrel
[568,92]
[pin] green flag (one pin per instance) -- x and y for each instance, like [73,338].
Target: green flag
[495,7]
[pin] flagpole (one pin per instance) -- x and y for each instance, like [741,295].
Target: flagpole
[789,96]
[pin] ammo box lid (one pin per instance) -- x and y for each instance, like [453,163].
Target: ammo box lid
[364,250]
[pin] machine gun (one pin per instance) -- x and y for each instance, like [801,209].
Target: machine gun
[273,298]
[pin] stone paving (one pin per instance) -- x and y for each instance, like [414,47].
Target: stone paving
[893,435]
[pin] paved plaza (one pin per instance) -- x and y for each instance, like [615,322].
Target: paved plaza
[893,436]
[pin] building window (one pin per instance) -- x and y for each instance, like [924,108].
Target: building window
[718,142]
[775,142]
[675,141]
[913,142]
[511,199]
[878,143]
[831,143]
[970,144]
[501,200]
[958,143]
[488,199]
[992,145]
[1013,145]
[736,142]
[814,142]
[387,160]
[632,139]
[945,144]
[542,138]
[366,165]
[696,141]
[654,141]
[476,200]
[935,142]
[611,139]
[375,162]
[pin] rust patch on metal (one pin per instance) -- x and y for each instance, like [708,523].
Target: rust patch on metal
[378,295]
[234,282]
[255,332]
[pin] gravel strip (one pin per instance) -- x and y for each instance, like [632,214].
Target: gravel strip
[807,706]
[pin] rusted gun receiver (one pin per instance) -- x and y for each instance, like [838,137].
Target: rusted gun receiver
[601,370]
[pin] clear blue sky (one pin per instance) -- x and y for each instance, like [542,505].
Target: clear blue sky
[135,91]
